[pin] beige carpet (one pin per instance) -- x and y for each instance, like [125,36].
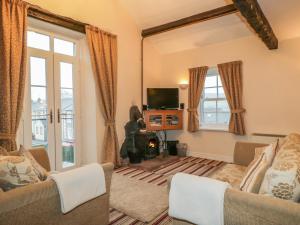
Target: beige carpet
[138,199]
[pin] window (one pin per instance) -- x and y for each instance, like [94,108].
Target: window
[64,47]
[214,108]
[38,40]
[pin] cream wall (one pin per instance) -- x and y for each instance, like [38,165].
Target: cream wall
[110,16]
[271,90]
[152,67]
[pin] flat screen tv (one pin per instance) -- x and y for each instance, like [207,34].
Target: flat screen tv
[162,98]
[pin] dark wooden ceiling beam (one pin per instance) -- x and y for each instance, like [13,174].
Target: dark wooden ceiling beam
[208,15]
[46,16]
[252,12]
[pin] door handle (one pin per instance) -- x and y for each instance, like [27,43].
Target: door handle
[51,116]
[58,115]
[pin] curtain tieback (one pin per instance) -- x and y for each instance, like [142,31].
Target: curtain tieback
[4,136]
[238,110]
[109,123]
[192,110]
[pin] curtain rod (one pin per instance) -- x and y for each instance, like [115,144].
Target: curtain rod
[37,12]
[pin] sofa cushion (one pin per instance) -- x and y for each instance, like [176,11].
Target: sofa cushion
[253,178]
[231,173]
[16,171]
[292,138]
[282,180]
[269,152]
[257,168]
[38,169]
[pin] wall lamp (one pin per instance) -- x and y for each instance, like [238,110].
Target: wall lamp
[184,84]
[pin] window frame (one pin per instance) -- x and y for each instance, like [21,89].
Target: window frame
[212,72]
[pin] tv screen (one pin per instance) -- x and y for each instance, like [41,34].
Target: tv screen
[159,98]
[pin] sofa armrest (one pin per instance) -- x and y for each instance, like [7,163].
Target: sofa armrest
[108,171]
[41,156]
[244,152]
[23,196]
[253,209]
[244,208]
[169,180]
[20,197]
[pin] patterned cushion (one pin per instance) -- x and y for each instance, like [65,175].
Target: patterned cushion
[292,138]
[269,150]
[3,151]
[38,169]
[254,175]
[16,171]
[257,168]
[282,180]
[231,173]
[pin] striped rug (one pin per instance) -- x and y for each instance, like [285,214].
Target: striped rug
[189,165]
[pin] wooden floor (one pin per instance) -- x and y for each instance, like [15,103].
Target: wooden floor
[159,176]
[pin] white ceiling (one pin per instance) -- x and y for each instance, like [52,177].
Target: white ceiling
[283,15]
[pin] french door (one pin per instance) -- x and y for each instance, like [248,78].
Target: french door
[51,113]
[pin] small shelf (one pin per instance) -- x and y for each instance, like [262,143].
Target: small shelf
[163,120]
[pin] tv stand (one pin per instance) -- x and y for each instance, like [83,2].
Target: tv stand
[162,120]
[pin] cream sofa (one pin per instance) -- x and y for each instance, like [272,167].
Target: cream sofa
[241,208]
[39,204]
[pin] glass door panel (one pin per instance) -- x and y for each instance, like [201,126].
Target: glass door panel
[39,105]
[38,108]
[65,106]
[67,114]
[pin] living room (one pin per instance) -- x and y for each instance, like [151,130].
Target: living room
[73,73]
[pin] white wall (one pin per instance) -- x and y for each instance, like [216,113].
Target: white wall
[271,90]
[109,16]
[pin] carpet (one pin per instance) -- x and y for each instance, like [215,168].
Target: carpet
[138,199]
[153,164]
[191,165]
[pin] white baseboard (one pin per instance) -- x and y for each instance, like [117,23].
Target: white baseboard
[225,158]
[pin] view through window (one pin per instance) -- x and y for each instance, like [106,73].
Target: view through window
[214,108]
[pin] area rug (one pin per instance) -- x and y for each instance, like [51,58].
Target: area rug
[154,164]
[118,218]
[191,165]
[138,199]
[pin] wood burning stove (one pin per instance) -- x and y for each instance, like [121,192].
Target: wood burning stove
[138,145]
[148,144]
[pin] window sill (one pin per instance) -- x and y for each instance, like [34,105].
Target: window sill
[214,128]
